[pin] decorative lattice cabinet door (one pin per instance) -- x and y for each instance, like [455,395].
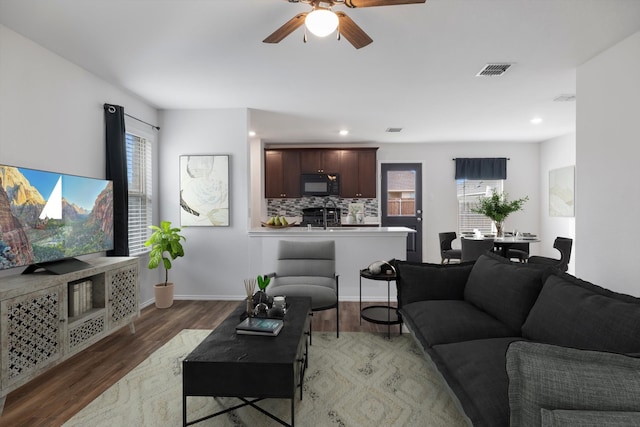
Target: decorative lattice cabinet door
[33,337]
[122,288]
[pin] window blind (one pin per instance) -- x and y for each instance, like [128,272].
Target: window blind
[140,189]
[469,193]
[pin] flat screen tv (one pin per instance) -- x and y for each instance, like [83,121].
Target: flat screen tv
[48,218]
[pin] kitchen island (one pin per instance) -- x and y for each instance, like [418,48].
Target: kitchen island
[356,248]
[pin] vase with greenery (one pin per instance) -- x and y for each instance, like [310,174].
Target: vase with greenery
[165,247]
[497,207]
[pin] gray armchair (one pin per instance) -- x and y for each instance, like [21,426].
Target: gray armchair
[307,269]
[559,386]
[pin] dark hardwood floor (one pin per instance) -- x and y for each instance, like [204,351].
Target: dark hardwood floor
[58,394]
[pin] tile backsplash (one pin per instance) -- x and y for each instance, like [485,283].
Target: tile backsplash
[293,207]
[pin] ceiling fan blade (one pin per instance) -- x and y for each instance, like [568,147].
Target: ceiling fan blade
[352,32]
[288,28]
[373,3]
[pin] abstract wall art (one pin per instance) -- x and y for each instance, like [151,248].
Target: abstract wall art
[562,192]
[204,190]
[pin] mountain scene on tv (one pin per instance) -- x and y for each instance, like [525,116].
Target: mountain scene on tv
[47,216]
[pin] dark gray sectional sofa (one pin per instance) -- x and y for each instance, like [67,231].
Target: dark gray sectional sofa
[480,323]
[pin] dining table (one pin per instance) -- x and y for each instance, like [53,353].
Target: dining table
[503,244]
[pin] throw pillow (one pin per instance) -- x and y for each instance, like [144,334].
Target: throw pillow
[421,281]
[553,377]
[504,289]
[575,313]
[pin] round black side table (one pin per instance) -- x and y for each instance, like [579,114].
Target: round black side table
[380,314]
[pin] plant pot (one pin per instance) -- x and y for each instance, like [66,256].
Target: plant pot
[163,295]
[262,297]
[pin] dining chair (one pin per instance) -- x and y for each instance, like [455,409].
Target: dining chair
[473,248]
[446,251]
[307,269]
[562,244]
[518,251]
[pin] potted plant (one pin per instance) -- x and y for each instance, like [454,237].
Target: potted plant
[498,208]
[261,296]
[165,247]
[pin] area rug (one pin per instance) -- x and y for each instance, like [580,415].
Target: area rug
[359,379]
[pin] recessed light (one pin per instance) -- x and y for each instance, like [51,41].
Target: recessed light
[536,120]
[252,133]
[344,132]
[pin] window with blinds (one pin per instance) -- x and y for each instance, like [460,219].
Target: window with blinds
[140,188]
[469,192]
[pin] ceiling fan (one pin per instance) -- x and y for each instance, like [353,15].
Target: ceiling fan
[327,21]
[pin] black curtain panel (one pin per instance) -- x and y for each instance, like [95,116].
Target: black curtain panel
[117,171]
[481,168]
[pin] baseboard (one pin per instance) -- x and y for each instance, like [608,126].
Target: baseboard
[242,297]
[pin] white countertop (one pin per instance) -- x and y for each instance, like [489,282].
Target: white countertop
[335,231]
[356,248]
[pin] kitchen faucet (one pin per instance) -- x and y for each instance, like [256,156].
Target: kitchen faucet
[324,211]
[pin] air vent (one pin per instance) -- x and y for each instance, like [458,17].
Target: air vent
[392,130]
[492,70]
[567,97]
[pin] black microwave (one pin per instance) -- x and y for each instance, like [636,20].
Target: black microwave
[320,184]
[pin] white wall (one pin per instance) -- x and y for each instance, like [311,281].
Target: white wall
[51,114]
[608,149]
[439,202]
[554,154]
[216,258]
[51,117]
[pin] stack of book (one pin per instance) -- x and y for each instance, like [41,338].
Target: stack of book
[80,297]
[260,326]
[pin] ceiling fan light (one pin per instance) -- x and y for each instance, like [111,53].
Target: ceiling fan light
[321,22]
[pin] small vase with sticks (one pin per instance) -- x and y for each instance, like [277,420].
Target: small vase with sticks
[250,287]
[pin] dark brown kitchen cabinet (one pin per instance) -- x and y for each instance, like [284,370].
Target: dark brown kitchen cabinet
[281,173]
[356,167]
[358,173]
[319,161]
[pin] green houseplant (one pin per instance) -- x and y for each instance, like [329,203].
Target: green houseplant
[497,207]
[165,247]
[261,296]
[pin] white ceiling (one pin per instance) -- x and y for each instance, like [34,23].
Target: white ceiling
[418,74]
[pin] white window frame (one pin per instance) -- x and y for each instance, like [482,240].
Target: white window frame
[468,193]
[140,177]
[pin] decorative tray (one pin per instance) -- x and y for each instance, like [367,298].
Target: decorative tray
[291,224]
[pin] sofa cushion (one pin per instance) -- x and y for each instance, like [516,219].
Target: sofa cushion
[575,418]
[446,321]
[554,377]
[475,371]
[422,281]
[574,313]
[504,289]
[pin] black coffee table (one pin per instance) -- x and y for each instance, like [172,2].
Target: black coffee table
[250,367]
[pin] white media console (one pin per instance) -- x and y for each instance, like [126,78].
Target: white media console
[46,318]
